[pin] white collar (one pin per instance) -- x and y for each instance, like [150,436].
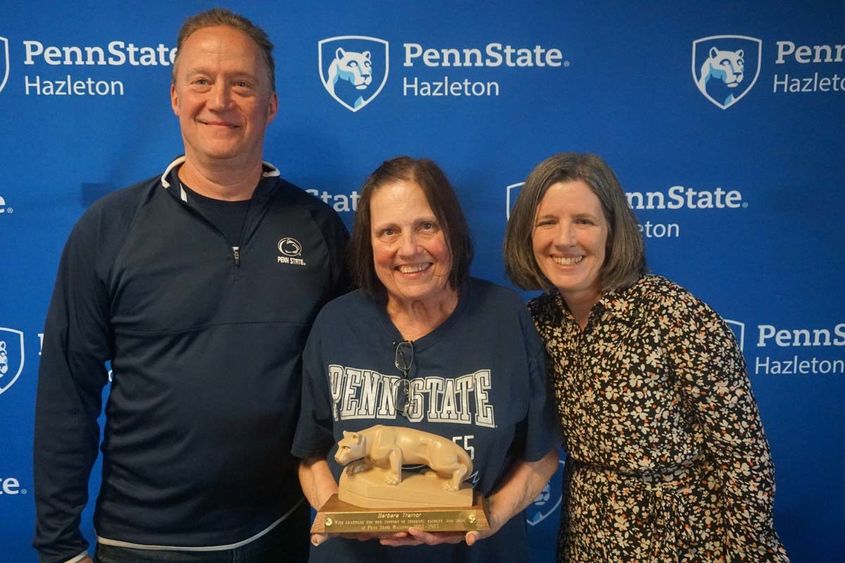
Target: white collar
[268,171]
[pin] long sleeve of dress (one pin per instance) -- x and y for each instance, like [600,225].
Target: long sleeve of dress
[709,365]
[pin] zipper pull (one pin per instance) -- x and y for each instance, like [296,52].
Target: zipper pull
[236,252]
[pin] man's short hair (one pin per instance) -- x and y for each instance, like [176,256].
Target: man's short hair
[443,202]
[624,261]
[222,16]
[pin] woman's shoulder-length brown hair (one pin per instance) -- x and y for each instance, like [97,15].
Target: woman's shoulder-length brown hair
[624,255]
[443,202]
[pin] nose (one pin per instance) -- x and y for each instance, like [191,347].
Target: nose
[408,244]
[221,96]
[565,235]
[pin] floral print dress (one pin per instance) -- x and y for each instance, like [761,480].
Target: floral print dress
[667,457]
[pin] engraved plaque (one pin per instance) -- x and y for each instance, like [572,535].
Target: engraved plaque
[338,517]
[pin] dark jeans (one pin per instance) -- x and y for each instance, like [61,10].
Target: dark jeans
[286,543]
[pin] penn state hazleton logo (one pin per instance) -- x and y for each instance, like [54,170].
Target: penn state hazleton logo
[11,357]
[353,68]
[4,62]
[738,329]
[548,501]
[726,67]
[511,197]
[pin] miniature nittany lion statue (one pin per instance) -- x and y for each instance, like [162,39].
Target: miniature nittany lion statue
[390,447]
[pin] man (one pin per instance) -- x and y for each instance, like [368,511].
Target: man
[199,286]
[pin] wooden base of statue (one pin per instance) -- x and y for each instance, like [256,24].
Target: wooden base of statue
[338,517]
[366,503]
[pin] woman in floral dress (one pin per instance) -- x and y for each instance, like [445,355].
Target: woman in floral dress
[667,457]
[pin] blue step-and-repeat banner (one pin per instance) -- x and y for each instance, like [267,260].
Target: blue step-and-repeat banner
[738,184]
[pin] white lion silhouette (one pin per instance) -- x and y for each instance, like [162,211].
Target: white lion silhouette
[725,66]
[352,67]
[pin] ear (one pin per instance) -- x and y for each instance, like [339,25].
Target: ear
[740,54]
[340,53]
[366,55]
[174,99]
[272,107]
[713,52]
[346,434]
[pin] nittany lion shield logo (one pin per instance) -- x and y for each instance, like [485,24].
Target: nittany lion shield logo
[726,67]
[4,62]
[353,68]
[548,501]
[11,357]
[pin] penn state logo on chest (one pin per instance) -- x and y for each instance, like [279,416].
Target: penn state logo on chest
[364,393]
[290,252]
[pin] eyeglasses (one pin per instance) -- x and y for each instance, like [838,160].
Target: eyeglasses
[404,361]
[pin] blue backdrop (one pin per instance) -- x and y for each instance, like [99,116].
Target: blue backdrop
[738,189]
